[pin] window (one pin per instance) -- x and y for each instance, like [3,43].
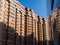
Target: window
[11,4]
[12,13]
[17,25]
[4,35]
[0,6]
[11,35]
[10,43]
[4,6]
[12,20]
[0,10]
[12,23]
[11,9]
[5,13]
[17,18]
[0,18]
[59,13]
[0,14]
[11,16]
[0,2]
[11,30]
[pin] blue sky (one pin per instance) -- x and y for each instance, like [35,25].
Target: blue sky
[41,7]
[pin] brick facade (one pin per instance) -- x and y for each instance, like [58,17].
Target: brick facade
[21,26]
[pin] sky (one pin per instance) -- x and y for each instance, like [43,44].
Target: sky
[40,7]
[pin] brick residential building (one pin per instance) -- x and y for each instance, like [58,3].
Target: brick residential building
[53,28]
[21,26]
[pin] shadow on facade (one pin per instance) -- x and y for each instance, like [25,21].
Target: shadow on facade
[59,39]
[10,37]
[55,34]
